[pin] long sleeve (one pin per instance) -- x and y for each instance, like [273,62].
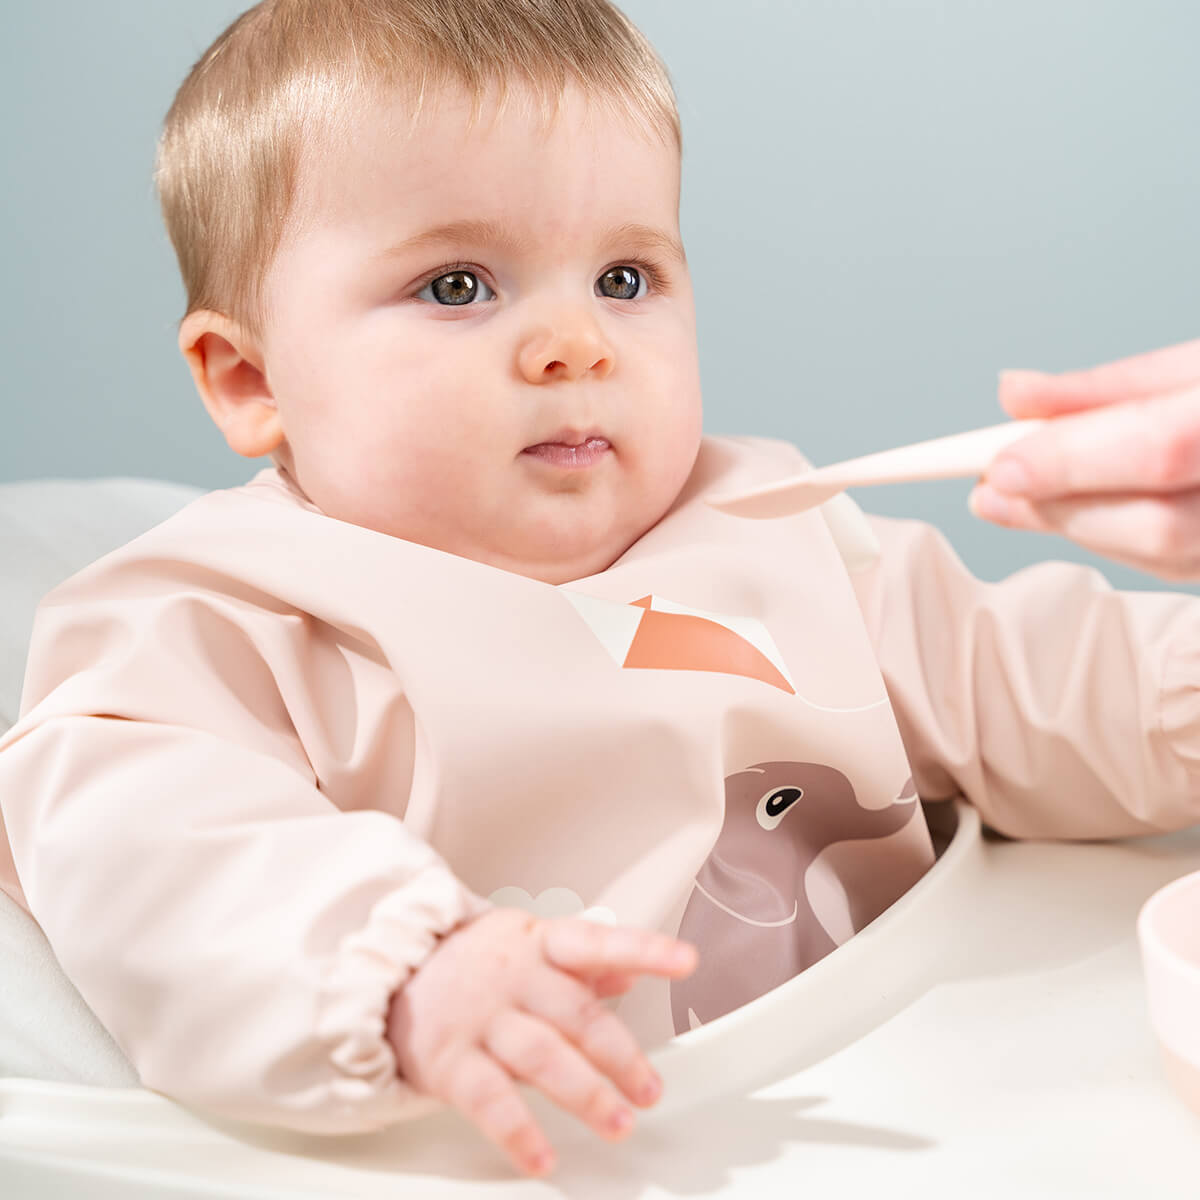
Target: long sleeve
[238,934]
[1060,707]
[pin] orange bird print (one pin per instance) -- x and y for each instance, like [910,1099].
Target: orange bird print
[656,634]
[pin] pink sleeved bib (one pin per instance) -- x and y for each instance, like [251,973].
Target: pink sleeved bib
[248,736]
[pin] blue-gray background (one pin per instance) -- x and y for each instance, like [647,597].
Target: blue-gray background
[884,203]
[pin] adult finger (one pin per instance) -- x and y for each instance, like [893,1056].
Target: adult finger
[1157,535]
[589,1024]
[586,948]
[1143,446]
[1037,394]
[537,1054]
[485,1094]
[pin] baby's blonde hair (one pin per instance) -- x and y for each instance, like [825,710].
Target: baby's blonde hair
[289,74]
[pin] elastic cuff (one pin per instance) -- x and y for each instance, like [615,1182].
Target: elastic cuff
[401,931]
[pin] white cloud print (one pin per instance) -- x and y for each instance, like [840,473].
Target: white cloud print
[553,902]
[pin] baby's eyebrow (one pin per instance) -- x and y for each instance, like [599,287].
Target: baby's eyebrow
[631,235]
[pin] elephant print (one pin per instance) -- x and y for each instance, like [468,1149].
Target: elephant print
[749,914]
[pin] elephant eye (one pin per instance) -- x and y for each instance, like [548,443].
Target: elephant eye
[775,803]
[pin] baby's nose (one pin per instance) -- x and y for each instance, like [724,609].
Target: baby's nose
[568,349]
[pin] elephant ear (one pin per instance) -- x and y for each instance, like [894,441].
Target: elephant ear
[873,871]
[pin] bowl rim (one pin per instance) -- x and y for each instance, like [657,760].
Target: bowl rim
[1147,929]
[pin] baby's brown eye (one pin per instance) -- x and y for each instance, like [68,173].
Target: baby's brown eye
[620,283]
[456,288]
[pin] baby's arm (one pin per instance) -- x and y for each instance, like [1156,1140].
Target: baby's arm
[239,935]
[509,997]
[251,946]
[1060,707]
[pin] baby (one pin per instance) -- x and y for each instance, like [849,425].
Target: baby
[380,777]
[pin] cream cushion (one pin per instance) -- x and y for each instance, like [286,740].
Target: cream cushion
[51,528]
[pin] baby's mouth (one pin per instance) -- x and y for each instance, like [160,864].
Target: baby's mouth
[570,452]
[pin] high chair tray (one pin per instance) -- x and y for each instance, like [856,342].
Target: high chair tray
[986,1036]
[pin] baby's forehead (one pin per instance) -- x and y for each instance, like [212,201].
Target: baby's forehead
[402,115]
[392,147]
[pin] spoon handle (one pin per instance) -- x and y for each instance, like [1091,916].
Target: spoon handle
[959,454]
[941,458]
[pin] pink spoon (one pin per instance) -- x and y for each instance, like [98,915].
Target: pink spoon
[959,454]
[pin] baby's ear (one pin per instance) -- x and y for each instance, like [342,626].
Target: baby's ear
[228,369]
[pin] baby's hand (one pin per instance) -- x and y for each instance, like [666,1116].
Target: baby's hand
[510,997]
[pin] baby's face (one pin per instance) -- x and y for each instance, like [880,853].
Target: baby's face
[458,308]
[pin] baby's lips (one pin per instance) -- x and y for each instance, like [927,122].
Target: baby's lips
[570,435]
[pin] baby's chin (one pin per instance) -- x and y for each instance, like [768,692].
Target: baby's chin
[554,538]
[562,553]
[556,564]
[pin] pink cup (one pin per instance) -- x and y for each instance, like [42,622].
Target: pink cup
[1169,933]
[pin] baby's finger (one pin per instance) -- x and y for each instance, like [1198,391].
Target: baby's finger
[611,983]
[486,1095]
[585,948]
[538,1055]
[602,1038]
[1035,394]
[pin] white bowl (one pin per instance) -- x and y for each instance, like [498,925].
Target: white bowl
[1169,932]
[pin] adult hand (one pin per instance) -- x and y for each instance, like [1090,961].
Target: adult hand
[1118,468]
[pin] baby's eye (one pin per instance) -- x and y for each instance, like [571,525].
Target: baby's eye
[621,283]
[457,288]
